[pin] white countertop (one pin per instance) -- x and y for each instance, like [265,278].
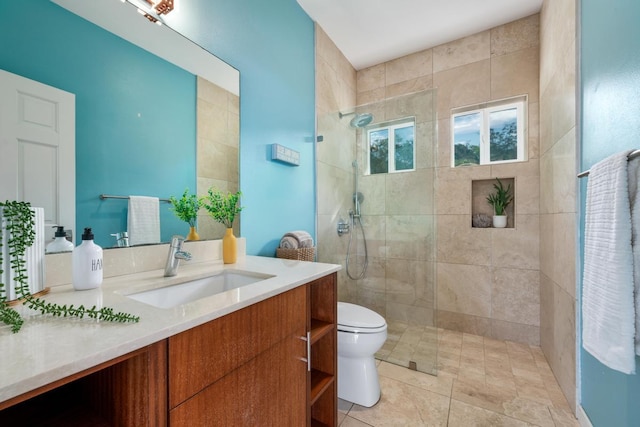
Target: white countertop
[50,348]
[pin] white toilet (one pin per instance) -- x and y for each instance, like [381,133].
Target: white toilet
[361,332]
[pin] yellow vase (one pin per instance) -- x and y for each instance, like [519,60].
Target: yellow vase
[229,247]
[193,234]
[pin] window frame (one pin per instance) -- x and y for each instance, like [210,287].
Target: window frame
[485,110]
[390,127]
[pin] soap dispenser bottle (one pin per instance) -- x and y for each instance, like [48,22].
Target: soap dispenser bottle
[60,243]
[87,263]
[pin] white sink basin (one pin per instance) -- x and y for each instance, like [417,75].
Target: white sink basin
[193,290]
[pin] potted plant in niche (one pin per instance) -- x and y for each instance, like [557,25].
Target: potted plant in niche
[223,208]
[186,209]
[500,199]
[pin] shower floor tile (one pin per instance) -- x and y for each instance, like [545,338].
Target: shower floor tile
[481,381]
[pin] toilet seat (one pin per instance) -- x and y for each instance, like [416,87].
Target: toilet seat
[357,319]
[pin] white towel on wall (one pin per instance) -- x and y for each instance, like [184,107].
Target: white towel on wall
[608,309]
[143,220]
[634,200]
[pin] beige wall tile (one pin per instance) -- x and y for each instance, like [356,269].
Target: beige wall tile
[426,145]
[547,244]
[564,343]
[418,84]
[533,130]
[515,332]
[453,196]
[373,188]
[371,96]
[558,104]
[464,289]
[459,243]
[517,35]
[464,323]
[410,237]
[557,37]
[564,173]
[462,51]
[444,143]
[519,247]
[515,296]
[547,318]
[410,193]
[409,67]
[410,282]
[558,194]
[465,85]
[370,78]
[527,195]
[564,252]
[515,74]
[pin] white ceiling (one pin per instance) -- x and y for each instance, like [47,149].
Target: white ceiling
[369,32]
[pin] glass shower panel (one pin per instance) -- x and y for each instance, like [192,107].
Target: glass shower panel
[397,215]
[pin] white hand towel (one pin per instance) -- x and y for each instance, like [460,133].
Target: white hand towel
[143,220]
[608,312]
[634,200]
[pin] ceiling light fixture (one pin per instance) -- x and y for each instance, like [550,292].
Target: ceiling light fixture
[153,9]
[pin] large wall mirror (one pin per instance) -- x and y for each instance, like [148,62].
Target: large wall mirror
[155,113]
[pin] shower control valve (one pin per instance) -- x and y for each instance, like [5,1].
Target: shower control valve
[343,227]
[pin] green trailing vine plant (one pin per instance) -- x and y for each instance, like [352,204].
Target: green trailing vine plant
[20,229]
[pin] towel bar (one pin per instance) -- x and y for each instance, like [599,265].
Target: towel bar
[107,196]
[631,156]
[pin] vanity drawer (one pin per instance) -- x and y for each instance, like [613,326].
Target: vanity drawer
[202,355]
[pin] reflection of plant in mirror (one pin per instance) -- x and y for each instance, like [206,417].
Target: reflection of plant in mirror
[186,208]
[501,198]
[19,225]
[222,208]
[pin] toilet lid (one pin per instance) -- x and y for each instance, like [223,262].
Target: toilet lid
[356,316]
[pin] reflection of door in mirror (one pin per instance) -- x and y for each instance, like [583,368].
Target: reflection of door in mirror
[37,142]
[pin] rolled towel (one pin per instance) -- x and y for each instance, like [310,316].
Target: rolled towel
[289,242]
[304,239]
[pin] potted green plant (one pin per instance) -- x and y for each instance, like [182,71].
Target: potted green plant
[500,199]
[223,208]
[186,209]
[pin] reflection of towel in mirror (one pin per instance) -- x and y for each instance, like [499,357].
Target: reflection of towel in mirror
[296,239]
[143,220]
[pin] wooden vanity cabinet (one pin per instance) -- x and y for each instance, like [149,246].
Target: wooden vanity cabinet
[245,368]
[251,367]
[248,368]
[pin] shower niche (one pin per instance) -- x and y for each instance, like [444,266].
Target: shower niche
[480,190]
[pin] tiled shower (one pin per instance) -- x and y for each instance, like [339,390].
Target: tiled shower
[398,222]
[488,281]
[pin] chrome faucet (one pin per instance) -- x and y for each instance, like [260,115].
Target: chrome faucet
[175,255]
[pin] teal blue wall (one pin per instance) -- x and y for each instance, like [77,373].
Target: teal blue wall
[610,122]
[272,44]
[135,113]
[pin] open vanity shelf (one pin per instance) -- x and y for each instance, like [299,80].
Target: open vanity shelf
[323,379]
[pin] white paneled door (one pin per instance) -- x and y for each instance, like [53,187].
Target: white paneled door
[37,148]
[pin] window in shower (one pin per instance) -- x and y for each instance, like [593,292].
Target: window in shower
[391,147]
[489,133]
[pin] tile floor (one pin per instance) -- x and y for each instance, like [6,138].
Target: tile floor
[480,382]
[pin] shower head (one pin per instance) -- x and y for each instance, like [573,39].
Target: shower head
[360,120]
